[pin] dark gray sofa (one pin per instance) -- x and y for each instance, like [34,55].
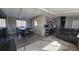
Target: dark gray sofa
[68,34]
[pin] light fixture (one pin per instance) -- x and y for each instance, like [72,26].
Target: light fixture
[77,35]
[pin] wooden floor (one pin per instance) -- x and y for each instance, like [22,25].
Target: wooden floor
[20,42]
[38,43]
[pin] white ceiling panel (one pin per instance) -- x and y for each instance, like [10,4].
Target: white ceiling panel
[37,13]
[58,10]
[11,12]
[40,12]
[64,11]
[68,14]
[48,14]
[27,13]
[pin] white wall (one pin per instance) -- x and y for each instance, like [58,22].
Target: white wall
[11,25]
[57,21]
[39,29]
[28,22]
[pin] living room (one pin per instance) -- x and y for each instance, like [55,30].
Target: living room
[42,25]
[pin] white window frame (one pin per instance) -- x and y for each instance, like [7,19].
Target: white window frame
[3,23]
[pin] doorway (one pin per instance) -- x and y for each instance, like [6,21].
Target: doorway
[62,21]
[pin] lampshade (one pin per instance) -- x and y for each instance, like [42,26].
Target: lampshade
[78,36]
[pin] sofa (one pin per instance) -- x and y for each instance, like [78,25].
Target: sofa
[68,34]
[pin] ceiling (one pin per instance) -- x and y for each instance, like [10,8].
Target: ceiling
[28,13]
[64,11]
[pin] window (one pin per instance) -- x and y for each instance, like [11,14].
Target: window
[75,24]
[35,23]
[20,23]
[2,23]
